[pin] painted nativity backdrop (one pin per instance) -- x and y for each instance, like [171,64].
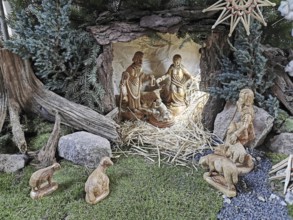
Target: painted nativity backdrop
[195,83]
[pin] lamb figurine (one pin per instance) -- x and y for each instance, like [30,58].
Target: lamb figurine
[223,173]
[41,181]
[97,184]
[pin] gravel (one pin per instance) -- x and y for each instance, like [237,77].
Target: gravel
[255,199]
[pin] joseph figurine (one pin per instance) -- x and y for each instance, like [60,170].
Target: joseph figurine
[131,82]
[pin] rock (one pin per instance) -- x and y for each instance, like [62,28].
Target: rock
[281,143]
[273,196]
[226,199]
[10,163]
[263,123]
[261,198]
[84,148]
[289,197]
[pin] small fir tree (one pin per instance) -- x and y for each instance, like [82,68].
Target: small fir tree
[247,69]
[64,58]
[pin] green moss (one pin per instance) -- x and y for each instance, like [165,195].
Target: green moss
[290,210]
[279,120]
[36,125]
[276,157]
[37,142]
[138,190]
[288,125]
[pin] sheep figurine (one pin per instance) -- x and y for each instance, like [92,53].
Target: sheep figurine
[222,166]
[97,184]
[41,181]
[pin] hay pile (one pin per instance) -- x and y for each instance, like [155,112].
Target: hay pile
[176,144]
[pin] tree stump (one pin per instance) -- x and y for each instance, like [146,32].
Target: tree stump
[26,92]
[216,46]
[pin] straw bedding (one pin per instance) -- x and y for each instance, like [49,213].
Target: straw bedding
[176,144]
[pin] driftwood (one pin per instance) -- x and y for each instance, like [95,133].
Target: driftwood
[29,94]
[3,102]
[279,166]
[283,90]
[18,134]
[46,156]
[283,85]
[280,177]
[288,173]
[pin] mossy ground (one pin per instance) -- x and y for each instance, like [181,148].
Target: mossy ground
[138,190]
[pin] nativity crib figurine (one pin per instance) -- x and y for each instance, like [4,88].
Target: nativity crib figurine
[240,133]
[138,101]
[97,184]
[238,155]
[178,78]
[243,130]
[223,173]
[42,183]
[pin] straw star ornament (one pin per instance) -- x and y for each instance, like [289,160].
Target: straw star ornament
[239,10]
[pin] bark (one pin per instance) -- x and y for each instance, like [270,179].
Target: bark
[3,103]
[126,25]
[23,86]
[105,77]
[46,156]
[210,67]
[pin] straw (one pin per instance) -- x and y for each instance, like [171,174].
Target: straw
[176,144]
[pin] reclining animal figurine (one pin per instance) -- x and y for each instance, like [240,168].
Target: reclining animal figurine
[218,166]
[97,184]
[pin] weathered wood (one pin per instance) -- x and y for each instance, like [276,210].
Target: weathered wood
[281,163]
[283,84]
[210,66]
[283,90]
[30,94]
[288,173]
[113,114]
[3,102]
[18,134]
[105,71]
[3,24]
[46,156]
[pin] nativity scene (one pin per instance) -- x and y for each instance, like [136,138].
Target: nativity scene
[149,107]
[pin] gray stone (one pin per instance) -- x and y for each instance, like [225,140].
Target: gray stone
[263,123]
[84,148]
[281,143]
[289,197]
[10,163]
